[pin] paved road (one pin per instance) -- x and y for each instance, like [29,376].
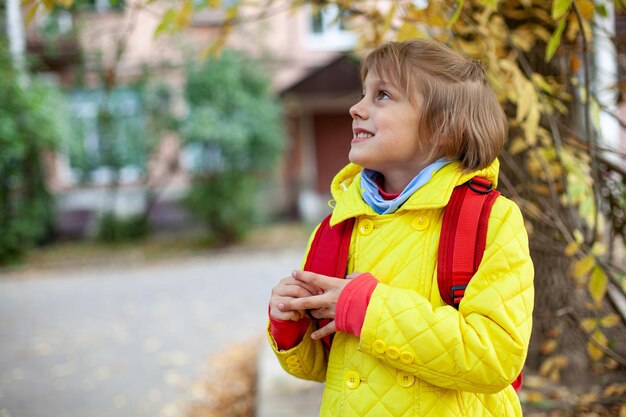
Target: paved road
[127,342]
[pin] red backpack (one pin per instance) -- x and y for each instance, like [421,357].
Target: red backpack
[461,244]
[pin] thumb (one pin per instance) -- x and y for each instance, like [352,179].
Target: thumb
[353,275]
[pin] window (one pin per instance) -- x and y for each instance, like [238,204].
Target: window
[109,143]
[328,30]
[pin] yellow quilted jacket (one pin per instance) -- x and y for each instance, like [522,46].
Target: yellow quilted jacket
[416,355]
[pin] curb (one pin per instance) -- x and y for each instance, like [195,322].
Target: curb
[280,394]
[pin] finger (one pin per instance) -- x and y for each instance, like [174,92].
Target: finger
[307,303]
[353,275]
[292,291]
[329,329]
[322,313]
[286,315]
[320,281]
[291,281]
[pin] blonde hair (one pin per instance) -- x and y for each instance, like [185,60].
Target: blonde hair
[460,116]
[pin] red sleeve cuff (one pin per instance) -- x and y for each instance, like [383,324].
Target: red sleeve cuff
[287,333]
[353,302]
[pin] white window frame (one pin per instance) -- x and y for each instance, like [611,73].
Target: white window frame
[332,37]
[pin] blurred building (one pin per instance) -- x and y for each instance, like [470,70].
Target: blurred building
[305,52]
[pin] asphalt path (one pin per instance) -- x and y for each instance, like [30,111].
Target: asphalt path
[113,341]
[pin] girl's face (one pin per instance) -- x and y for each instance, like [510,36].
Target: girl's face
[385,130]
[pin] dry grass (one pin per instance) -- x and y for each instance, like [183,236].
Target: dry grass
[229,389]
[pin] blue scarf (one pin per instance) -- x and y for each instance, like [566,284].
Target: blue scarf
[371,194]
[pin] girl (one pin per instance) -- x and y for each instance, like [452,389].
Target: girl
[427,122]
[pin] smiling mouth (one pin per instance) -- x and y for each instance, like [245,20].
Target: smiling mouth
[363,135]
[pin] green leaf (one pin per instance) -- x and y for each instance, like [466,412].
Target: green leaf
[601,10]
[166,22]
[560,7]
[457,13]
[595,113]
[555,40]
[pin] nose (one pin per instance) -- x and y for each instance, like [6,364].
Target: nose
[357,111]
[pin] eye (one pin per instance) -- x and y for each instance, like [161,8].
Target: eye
[383,95]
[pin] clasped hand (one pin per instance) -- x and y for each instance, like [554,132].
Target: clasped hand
[303,291]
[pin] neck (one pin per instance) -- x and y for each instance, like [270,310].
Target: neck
[397,178]
[395,182]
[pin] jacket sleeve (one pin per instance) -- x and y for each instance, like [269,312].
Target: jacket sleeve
[308,359]
[482,346]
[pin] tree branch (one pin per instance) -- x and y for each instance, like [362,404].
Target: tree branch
[588,131]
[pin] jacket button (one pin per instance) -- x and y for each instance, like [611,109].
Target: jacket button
[405,380]
[295,369]
[393,353]
[407,357]
[420,222]
[379,347]
[366,226]
[352,379]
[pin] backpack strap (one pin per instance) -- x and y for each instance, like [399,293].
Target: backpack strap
[328,255]
[463,237]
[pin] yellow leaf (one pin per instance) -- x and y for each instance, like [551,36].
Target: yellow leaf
[523,40]
[578,236]
[571,249]
[614,390]
[534,397]
[517,145]
[214,4]
[184,15]
[597,284]
[546,367]
[30,14]
[599,337]
[408,31]
[586,8]
[610,320]
[531,126]
[622,411]
[598,249]
[584,265]
[589,324]
[594,352]
[540,82]
[555,375]
[589,398]
[231,13]
[561,361]
[49,4]
[526,99]
[548,346]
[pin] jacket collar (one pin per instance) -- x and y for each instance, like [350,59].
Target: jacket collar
[346,190]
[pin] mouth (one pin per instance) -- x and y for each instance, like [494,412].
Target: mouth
[360,135]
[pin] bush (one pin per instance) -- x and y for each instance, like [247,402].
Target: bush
[32,121]
[114,229]
[234,131]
